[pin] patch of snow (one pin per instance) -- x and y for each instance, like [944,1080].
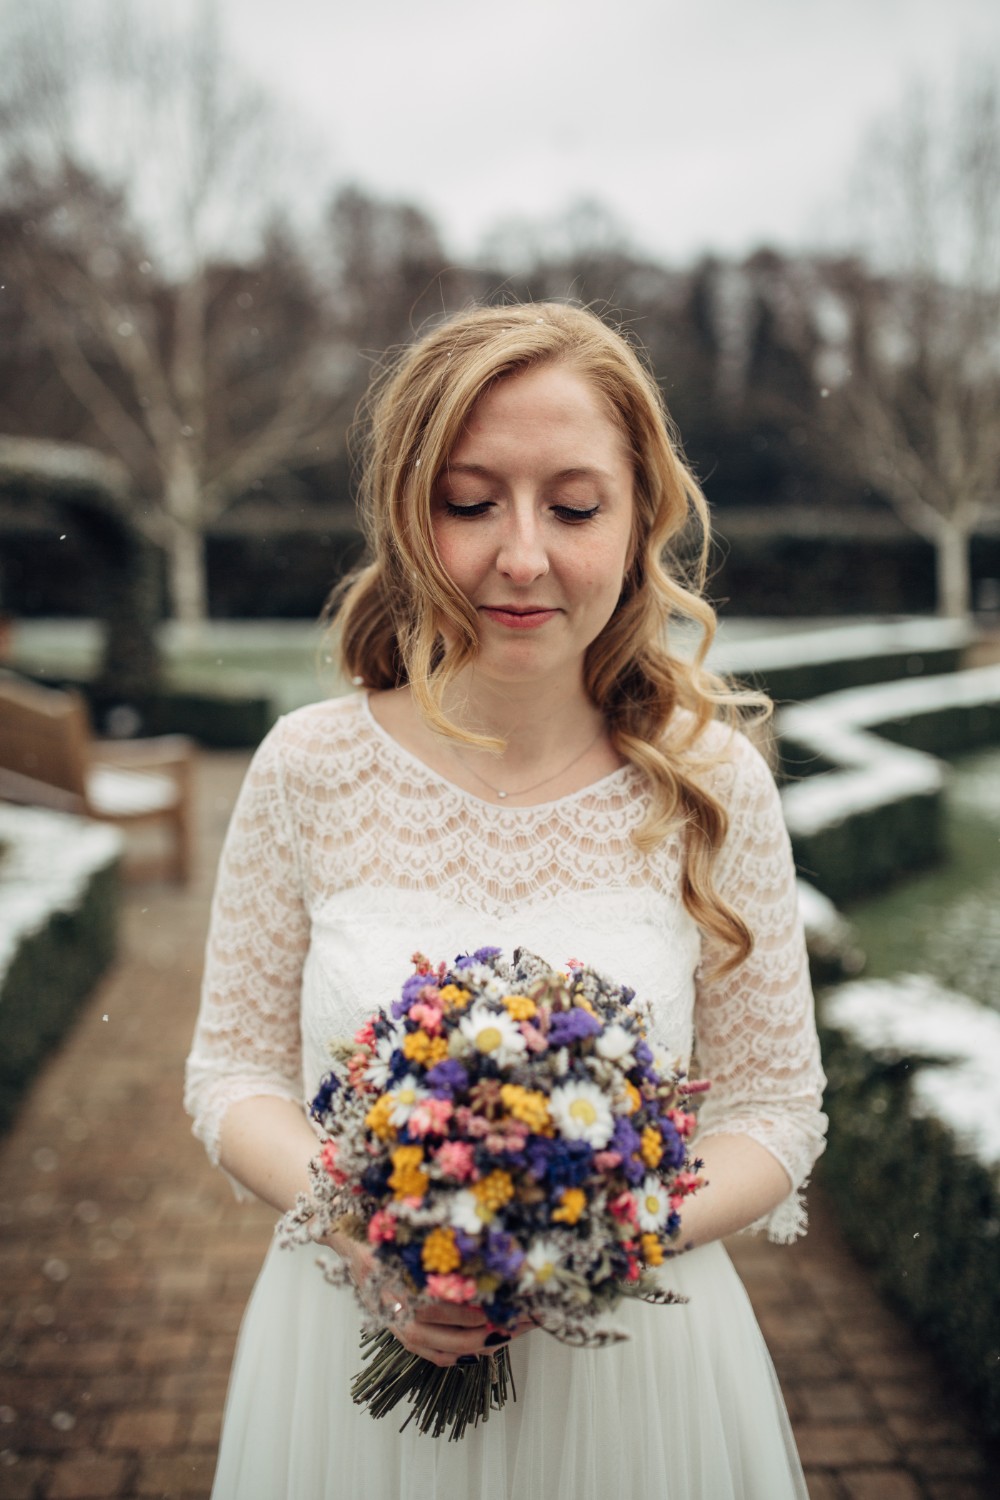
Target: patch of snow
[871,771]
[820,917]
[46,863]
[847,642]
[955,1041]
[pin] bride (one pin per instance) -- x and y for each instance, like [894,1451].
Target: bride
[529,762]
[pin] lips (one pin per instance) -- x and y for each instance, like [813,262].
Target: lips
[518,616]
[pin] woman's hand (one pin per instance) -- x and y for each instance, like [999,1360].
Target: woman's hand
[443,1332]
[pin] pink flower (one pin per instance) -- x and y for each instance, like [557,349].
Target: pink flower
[533,1037]
[428,1016]
[682,1122]
[365,1035]
[685,1182]
[623,1208]
[430,1117]
[455,1159]
[328,1156]
[452,1287]
[381,1228]
[606,1161]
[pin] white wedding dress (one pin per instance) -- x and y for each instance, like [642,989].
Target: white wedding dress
[345,856]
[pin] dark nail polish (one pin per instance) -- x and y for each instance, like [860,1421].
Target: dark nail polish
[492,1339]
[467,1359]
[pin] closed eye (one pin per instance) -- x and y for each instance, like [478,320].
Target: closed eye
[479,508]
[573,515]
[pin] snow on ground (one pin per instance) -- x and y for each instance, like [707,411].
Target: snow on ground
[913,1016]
[46,862]
[737,651]
[872,771]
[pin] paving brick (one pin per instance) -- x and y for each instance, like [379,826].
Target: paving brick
[882,1484]
[833,1401]
[181,1476]
[143,1429]
[833,1445]
[19,1477]
[88,1476]
[823,1487]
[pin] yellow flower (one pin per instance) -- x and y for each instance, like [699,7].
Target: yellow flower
[494,1190]
[520,1007]
[635,1098]
[453,995]
[652,1250]
[572,1203]
[421,1048]
[583,1003]
[377,1118]
[440,1253]
[408,1180]
[652,1146]
[528,1105]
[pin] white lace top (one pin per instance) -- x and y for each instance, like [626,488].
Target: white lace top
[346,855]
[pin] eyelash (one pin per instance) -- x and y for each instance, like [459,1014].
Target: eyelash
[567,513]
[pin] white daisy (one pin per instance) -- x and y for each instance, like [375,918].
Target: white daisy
[377,1071]
[540,1265]
[653,1204]
[615,1042]
[494,1034]
[405,1097]
[467,1213]
[582,1113]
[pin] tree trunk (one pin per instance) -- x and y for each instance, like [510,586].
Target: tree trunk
[954,584]
[187,577]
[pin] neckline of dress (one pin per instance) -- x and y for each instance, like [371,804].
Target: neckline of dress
[402,753]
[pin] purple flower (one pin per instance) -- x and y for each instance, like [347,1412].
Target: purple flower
[572,1026]
[465,1244]
[626,1141]
[446,1079]
[410,994]
[481,956]
[643,1055]
[503,1255]
[673,1146]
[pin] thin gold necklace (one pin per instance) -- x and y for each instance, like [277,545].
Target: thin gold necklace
[524,790]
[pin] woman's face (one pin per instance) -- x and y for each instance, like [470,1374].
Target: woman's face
[532,517]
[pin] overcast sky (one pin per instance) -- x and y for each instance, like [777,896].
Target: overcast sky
[707,124]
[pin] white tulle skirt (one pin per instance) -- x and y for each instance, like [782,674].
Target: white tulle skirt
[687,1409]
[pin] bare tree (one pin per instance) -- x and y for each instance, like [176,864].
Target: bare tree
[143,239]
[916,378]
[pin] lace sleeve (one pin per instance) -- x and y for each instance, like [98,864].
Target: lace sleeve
[755,1028]
[247,1040]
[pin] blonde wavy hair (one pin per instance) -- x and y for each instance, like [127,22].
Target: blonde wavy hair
[401,620]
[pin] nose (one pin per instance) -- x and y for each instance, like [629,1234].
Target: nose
[522,556]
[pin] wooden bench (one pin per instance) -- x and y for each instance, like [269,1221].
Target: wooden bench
[49,758]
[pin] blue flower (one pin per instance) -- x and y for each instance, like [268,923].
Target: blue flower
[643,1055]
[559,1163]
[324,1096]
[410,1255]
[399,1065]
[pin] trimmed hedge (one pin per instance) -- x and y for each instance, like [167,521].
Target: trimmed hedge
[51,973]
[924,1215]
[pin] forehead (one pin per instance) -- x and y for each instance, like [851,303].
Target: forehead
[552,408]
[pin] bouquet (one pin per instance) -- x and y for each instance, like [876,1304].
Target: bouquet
[502,1139]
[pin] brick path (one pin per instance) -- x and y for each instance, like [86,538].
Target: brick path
[125,1264]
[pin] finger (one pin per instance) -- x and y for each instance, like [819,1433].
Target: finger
[450,1314]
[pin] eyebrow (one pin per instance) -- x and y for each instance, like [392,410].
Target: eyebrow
[481,471]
